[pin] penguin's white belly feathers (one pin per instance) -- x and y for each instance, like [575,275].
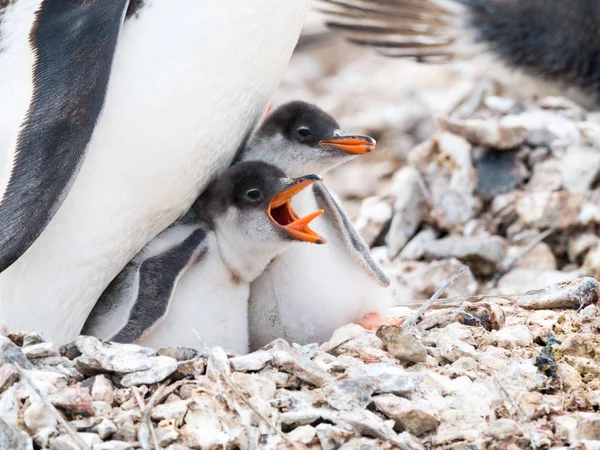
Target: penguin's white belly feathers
[310,290]
[190,79]
[211,301]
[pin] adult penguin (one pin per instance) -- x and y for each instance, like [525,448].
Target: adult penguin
[555,40]
[114,117]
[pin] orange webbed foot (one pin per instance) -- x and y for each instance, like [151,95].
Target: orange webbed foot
[373,321]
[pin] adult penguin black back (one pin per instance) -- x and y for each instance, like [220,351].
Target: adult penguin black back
[114,117]
[558,40]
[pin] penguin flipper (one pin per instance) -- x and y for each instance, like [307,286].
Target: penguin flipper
[73,44]
[429,31]
[353,241]
[144,289]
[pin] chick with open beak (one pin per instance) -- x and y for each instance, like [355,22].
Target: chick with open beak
[196,274]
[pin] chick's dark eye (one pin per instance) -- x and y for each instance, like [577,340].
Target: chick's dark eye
[253,195]
[304,132]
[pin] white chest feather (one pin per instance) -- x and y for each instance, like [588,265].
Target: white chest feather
[189,82]
[310,290]
[210,300]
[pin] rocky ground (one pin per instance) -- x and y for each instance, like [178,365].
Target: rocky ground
[470,171]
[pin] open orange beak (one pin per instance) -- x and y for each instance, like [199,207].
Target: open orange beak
[356,144]
[281,213]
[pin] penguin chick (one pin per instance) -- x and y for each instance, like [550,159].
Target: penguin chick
[196,274]
[340,281]
[555,39]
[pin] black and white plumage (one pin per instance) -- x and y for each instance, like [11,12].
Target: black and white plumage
[196,274]
[554,39]
[115,116]
[308,292]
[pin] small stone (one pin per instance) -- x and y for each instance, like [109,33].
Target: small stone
[32,339]
[545,177]
[252,362]
[388,378]
[160,368]
[581,344]
[297,364]
[490,316]
[572,294]
[65,442]
[566,428]
[75,400]
[483,254]
[10,353]
[452,349]
[37,416]
[504,429]
[174,410]
[487,133]
[8,376]
[43,435]
[342,335]
[255,385]
[588,426]
[332,437]
[102,390]
[407,415]
[349,394]
[104,429]
[113,357]
[498,172]
[305,435]
[402,344]
[580,168]
[85,424]
[569,377]
[13,438]
[513,337]
[40,350]
[101,407]
[166,432]
[408,210]
[589,311]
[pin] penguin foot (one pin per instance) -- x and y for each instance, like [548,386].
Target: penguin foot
[374,320]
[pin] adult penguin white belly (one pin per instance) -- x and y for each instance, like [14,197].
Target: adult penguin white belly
[189,81]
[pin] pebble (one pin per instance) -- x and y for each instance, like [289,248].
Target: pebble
[513,337]
[37,415]
[252,362]
[173,410]
[406,414]
[102,390]
[409,209]
[402,344]
[349,394]
[75,400]
[159,368]
[104,429]
[40,350]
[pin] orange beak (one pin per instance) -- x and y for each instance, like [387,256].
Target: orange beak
[281,213]
[358,145]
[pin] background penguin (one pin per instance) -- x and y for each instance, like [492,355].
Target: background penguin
[554,39]
[115,116]
[340,282]
[224,242]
